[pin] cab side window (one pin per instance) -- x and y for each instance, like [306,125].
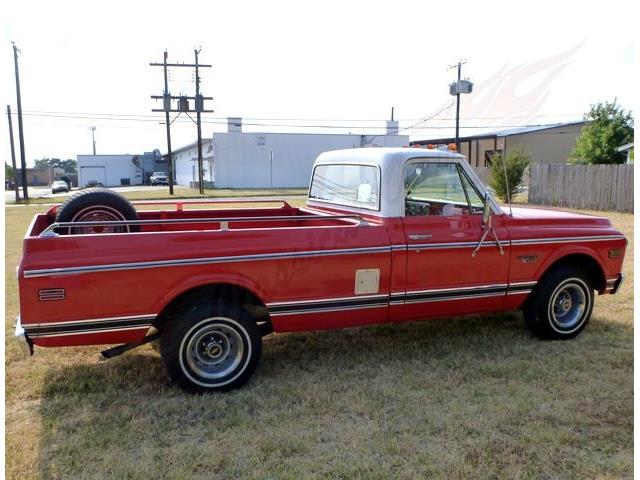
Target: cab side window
[439,188]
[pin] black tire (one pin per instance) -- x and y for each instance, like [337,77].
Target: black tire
[210,347]
[561,305]
[96,204]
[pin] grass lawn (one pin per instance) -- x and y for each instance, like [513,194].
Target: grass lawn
[469,397]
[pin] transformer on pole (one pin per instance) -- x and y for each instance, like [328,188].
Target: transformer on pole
[456,89]
[182,107]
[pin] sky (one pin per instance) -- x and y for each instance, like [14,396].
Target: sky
[306,66]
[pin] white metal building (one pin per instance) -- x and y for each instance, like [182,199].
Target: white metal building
[186,164]
[237,159]
[109,170]
[116,170]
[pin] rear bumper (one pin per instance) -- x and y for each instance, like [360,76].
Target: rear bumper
[26,345]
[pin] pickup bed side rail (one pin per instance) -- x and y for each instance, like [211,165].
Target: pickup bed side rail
[223,221]
[180,204]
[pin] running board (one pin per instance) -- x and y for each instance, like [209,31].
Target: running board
[120,349]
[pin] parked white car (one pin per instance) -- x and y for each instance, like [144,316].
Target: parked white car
[159,178]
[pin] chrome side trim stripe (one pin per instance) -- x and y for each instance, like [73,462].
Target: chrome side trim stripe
[397,298]
[94,325]
[455,297]
[200,261]
[83,332]
[301,254]
[328,304]
[437,246]
[590,238]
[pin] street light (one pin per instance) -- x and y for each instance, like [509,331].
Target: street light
[93,138]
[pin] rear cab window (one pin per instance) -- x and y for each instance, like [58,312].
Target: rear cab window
[345,184]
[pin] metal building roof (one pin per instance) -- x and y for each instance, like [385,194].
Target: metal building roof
[500,133]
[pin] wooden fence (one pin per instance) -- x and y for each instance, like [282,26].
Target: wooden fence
[594,187]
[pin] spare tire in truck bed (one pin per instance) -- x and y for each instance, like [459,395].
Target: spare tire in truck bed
[96,205]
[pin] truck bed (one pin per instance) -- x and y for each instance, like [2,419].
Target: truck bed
[278,254]
[181,217]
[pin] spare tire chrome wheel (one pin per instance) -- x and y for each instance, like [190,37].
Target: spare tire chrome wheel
[96,205]
[561,305]
[99,213]
[211,348]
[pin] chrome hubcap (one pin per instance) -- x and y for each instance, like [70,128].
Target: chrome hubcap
[215,351]
[568,305]
[98,214]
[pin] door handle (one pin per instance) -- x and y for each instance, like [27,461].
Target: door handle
[419,237]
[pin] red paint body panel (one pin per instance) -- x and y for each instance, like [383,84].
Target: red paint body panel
[293,265]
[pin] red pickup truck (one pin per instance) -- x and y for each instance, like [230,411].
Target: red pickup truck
[387,235]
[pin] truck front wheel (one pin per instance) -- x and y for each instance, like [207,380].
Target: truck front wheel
[562,304]
[211,348]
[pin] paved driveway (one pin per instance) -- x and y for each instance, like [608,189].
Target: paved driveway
[45,192]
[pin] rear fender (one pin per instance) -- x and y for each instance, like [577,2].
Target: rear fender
[183,285]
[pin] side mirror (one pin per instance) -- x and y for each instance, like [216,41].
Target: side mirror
[486,212]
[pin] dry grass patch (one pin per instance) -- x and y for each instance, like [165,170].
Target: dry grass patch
[470,397]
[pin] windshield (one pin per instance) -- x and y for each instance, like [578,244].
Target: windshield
[352,185]
[159,173]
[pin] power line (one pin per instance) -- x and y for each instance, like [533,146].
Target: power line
[291,125]
[97,115]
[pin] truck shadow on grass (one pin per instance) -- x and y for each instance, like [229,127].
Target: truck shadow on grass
[118,417]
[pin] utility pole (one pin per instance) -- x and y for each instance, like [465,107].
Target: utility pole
[13,156]
[23,162]
[457,88]
[167,104]
[199,106]
[183,107]
[458,110]
[93,138]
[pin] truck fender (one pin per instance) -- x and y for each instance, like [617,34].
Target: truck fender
[566,251]
[187,283]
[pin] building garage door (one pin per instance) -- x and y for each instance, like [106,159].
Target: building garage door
[93,174]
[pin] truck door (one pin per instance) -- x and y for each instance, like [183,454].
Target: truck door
[443,225]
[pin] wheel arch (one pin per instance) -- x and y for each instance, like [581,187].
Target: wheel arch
[229,290]
[582,259]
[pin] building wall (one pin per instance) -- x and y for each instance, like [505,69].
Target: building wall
[39,177]
[108,170]
[552,145]
[547,146]
[186,162]
[279,160]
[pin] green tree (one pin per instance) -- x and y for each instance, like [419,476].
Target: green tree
[609,127]
[514,165]
[69,165]
[8,171]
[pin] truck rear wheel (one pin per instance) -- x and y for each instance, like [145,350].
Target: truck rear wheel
[561,306]
[211,347]
[96,205]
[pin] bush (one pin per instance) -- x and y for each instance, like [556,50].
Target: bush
[517,162]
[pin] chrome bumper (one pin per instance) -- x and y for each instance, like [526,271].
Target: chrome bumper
[617,284]
[23,340]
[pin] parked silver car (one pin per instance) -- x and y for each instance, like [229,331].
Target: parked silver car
[59,186]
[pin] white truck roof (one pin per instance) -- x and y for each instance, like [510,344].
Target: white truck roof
[391,163]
